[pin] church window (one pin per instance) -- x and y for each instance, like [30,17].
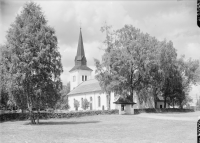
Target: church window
[99,101]
[82,102]
[85,77]
[90,98]
[74,78]
[82,77]
[107,100]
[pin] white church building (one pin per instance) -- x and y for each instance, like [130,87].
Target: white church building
[82,86]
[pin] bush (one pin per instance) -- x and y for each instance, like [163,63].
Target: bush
[48,115]
[161,110]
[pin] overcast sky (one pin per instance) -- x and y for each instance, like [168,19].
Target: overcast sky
[170,20]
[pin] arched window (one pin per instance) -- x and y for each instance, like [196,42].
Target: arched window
[82,77]
[99,101]
[81,102]
[85,77]
[91,99]
[74,78]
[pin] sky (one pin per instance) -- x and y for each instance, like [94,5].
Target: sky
[171,20]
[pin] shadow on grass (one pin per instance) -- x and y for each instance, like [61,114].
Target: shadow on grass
[62,123]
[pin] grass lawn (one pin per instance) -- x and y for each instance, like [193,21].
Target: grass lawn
[142,128]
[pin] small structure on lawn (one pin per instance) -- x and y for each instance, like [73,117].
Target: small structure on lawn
[125,106]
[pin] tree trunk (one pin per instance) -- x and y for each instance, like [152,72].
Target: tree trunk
[155,103]
[155,97]
[31,115]
[38,116]
[109,98]
[165,100]
[181,107]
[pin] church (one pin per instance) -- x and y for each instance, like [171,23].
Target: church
[83,86]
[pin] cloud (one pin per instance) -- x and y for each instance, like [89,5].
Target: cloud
[193,50]
[173,20]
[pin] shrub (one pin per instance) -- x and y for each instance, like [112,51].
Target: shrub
[47,115]
[161,110]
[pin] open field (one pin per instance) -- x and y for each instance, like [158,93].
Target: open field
[142,128]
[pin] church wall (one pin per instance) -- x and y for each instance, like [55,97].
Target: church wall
[160,104]
[78,74]
[95,96]
[73,84]
[83,72]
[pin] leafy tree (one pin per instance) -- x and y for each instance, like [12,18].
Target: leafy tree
[134,61]
[126,63]
[35,60]
[190,75]
[85,104]
[62,103]
[4,77]
[76,104]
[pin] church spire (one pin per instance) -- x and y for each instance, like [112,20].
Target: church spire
[80,58]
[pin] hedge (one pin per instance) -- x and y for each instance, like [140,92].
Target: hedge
[45,115]
[161,110]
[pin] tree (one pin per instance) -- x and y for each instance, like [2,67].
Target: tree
[190,75]
[35,64]
[85,104]
[126,63]
[4,77]
[134,61]
[76,104]
[62,103]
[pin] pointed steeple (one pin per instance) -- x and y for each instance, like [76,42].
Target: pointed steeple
[80,58]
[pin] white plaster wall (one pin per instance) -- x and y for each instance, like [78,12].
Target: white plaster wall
[94,102]
[161,103]
[72,83]
[112,99]
[78,74]
[85,73]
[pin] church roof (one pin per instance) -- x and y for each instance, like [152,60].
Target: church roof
[80,67]
[86,86]
[121,100]
[80,59]
[80,50]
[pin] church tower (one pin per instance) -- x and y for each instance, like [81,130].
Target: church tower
[80,72]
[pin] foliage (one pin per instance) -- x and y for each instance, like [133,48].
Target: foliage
[85,104]
[4,77]
[134,61]
[161,110]
[62,103]
[76,104]
[125,64]
[35,62]
[47,115]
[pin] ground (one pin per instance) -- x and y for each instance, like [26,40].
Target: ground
[142,128]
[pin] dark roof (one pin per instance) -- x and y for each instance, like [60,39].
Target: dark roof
[121,100]
[160,98]
[86,86]
[80,58]
[80,67]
